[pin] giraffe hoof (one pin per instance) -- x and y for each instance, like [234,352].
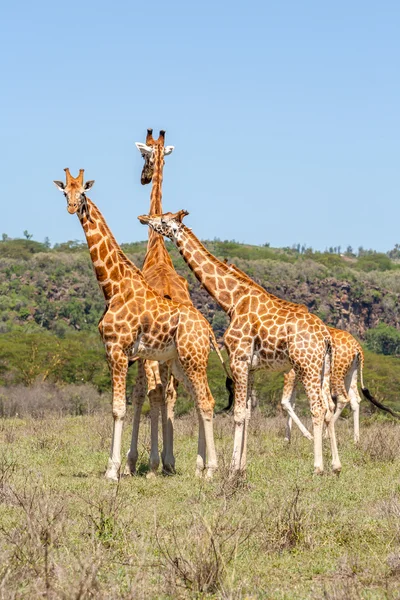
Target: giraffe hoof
[318,471]
[129,471]
[168,470]
[209,474]
[337,470]
[111,475]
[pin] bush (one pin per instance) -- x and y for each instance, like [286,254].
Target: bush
[383,339]
[44,398]
[374,262]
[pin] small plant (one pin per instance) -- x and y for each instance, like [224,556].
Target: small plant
[33,554]
[197,557]
[8,467]
[102,516]
[286,529]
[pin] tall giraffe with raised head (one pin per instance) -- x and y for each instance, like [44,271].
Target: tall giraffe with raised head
[159,272]
[264,332]
[349,366]
[139,323]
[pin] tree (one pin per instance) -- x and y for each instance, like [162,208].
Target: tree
[28,235]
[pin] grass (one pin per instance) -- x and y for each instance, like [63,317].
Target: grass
[280,533]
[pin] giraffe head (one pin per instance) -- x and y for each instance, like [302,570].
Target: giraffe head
[151,150]
[167,224]
[74,190]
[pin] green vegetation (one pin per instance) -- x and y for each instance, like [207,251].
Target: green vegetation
[50,305]
[44,288]
[280,534]
[383,339]
[79,359]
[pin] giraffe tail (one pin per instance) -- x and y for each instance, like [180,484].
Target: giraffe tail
[230,386]
[329,368]
[367,394]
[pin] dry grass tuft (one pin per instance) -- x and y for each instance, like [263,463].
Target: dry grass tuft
[197,557]
[33,546]
[381,443]
[285,524]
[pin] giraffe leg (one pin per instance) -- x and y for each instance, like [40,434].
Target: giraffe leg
[168,408]
[165,375]
[329,415]
[354,399]
[119,368]
[289,399]
[195,380]
[201,449]
[288,403]
[336,464]
[155,395]
[240,373]
[243,458]
[156,401]
[312,386]
[342,388]
[138,397]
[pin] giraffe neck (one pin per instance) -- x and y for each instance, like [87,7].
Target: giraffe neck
[111,265]
[156,250]
[156,187]
[224,285]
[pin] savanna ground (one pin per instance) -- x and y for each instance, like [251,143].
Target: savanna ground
[281,533]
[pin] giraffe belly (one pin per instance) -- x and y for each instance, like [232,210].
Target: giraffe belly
[269,359]
[150,351]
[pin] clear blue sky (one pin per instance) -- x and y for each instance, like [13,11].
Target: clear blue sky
[284,116]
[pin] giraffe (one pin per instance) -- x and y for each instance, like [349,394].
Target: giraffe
[264,332]
[349,363]
[137,322]
[349,366]
[160,274]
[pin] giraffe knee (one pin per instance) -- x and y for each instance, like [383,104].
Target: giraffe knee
[318,415]
[119,411]
[239,415]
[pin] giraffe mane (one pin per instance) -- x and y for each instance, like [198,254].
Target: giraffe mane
[244,278]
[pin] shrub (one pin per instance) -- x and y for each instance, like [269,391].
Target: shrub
[383,339]
[374,262]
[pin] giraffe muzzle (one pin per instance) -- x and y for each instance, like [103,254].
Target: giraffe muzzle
[72,208]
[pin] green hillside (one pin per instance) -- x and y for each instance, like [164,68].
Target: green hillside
[50,305]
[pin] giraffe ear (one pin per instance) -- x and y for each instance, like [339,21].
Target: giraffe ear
[60,185]
[143,149]
[88,185]
[168,150]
